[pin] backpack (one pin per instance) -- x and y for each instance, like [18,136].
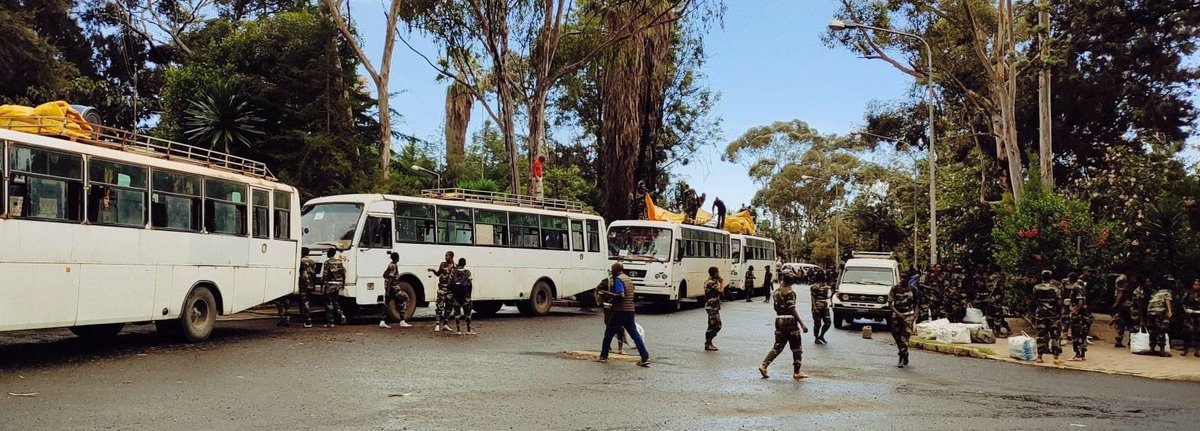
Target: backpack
[460,284]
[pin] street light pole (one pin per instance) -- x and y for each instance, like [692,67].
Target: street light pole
[915,184]
[420,169]
[839,25]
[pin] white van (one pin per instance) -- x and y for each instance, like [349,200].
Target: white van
[863,288]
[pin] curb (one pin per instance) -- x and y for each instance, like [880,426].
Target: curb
[980,353]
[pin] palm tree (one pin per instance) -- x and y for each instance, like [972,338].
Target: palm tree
[220,115]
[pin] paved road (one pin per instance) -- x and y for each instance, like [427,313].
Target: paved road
[252,375]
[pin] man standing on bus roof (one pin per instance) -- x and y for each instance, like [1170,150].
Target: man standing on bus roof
[714,287]
[460,290]
[536,173]
[392,292]
[335,279]
[719,210]
[622,295]
[445,273]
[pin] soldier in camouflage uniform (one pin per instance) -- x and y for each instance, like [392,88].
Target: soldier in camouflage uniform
[460,293]
[714,287]
[1159,312]
[392,293]
[902,300]
[1191,319]
[952,295]
[335,279]
[1079,318]
[306,282]
[820,308]
[788,327]
[1122,304]
[444,272]
[931,286]
[1047,316]
[1139,297]
[990,300]
[748,284]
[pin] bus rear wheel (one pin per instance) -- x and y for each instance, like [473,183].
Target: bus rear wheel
[539,301]
[98,332]
[394,314]
[199,315]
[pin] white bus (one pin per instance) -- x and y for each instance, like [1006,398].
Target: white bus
[751,252]
[124,228]
[520,251]
[668,262]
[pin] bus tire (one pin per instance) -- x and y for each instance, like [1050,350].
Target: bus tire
[540,299]
[837,320]
[395,315]
[97,332]
[199,315]
[487,308]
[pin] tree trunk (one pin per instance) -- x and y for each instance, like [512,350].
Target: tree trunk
[385,128]
[620,83]
[459,101]
[1045,147]
[537,127]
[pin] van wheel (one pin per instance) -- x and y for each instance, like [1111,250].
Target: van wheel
[97,332]
[837,320]
[394,314]
[199,315]
[539,302]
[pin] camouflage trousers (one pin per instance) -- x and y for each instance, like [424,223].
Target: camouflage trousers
[398,298]
[1081,326]
[821,321]
[714,325]
[1158,326]
[1123,322]
[901,330]
[1191,331]
[442,309]
[787,332]
[282,304]
[1049,331]
[333,305]
[462,310]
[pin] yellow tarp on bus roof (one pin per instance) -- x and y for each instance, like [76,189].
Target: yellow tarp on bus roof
[740,223]
[56,118]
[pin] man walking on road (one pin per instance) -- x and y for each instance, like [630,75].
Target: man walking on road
[787,328]
[903,302]
[748,284]
[621,293]
[820,308]
[714,287]
[1047,299]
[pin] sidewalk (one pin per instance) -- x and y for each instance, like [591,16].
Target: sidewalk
[1102,357]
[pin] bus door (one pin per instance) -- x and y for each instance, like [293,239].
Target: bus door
[374,255]
[578,249]
[736,275]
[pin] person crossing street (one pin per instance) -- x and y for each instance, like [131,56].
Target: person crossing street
[714,287]
[788,327]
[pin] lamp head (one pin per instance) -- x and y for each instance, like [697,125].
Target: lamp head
[839,25]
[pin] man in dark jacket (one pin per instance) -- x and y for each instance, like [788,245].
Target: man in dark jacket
[621,293]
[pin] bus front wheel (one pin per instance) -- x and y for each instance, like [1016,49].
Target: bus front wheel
[838,320]
[395,314]
[487,308]
[98,332]
[539,300]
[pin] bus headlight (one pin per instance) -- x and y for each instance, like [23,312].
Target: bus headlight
[661,276]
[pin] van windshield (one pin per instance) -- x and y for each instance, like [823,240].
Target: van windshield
[868,276]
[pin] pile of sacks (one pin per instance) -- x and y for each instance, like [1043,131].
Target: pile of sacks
[943,331]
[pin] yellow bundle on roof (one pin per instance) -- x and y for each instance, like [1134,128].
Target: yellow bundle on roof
[740,223]
[56,118]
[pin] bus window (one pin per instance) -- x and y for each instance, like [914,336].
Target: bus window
[454,225]
[175,203]
[283,213]
[491,228]
[525,230]
[45,185]
[577,235]
[554,231]
[377,233]
[735,249]
[224,207]
[593,236]
[414,223]
[117,193]
[262,213]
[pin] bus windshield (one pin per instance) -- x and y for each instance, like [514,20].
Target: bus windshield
[639,243]
[330,224]
[869,276]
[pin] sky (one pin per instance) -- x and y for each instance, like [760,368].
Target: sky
[766,62]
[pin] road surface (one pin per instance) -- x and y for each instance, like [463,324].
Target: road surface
[253,375]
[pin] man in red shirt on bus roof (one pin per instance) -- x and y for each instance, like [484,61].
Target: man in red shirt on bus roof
[536,173]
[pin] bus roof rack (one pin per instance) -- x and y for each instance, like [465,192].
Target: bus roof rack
[872,255]
[499,198]
[133,142]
